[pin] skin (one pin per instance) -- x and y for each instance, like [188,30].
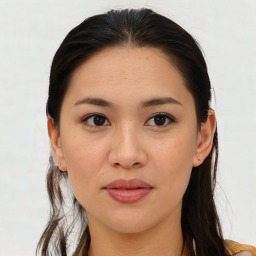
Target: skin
[130,144]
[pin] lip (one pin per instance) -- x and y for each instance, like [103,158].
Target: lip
[128,191]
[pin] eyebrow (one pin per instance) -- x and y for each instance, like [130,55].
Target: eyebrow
[94,101]
[148,103]
[159,101]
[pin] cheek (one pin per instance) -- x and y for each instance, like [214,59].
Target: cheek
[84,159]
[176,152]
[173,160]
[82,151]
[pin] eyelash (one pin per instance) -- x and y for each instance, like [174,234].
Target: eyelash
[159,114]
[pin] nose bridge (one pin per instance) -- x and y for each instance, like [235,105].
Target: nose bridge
[127,150]
[127,134]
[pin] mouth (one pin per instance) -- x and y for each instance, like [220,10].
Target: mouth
[128,191]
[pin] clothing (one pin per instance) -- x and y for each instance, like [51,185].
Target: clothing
[237,249]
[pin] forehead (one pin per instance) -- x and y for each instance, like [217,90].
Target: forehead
[114,61]
[127,73]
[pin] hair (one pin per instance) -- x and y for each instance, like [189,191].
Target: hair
[134,28]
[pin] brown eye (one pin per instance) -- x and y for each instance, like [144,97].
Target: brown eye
[161,119]
[96,120]
[99,120]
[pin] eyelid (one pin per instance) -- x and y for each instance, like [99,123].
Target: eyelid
[166,115]
[87,117]
[170,117]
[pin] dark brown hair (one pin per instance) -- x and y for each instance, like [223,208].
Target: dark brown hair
[137,28]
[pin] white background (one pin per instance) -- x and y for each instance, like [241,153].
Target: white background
[31,31]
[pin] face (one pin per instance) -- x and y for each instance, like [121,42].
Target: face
[128,115]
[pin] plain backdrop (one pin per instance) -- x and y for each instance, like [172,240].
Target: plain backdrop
[31,31]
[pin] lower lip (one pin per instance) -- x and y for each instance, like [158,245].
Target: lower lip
[128,196]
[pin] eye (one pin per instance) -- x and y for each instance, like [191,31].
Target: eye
[160,119]
[95,120]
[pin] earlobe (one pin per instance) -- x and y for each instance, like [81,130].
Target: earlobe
[56,146]
[205,139]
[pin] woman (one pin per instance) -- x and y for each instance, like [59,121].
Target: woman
[132,130]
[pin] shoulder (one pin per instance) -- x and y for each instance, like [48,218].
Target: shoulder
[237,249]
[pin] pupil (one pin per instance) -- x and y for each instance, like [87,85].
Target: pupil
[159,120]
[98,120]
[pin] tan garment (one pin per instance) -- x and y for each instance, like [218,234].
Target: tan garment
[237,249]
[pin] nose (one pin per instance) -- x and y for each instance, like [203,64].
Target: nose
[127,149]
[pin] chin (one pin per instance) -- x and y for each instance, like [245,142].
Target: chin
[131,224]
[131,228]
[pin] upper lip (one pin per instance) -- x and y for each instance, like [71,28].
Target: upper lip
[128,184]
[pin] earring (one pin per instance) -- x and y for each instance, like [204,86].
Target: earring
[59,165]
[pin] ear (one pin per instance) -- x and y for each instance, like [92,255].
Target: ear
[56,146]
[205,139]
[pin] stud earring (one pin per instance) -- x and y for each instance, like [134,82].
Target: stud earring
[59,165]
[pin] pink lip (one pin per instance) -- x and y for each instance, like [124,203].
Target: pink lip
[128,191]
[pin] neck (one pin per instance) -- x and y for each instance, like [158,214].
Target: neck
[165,239]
